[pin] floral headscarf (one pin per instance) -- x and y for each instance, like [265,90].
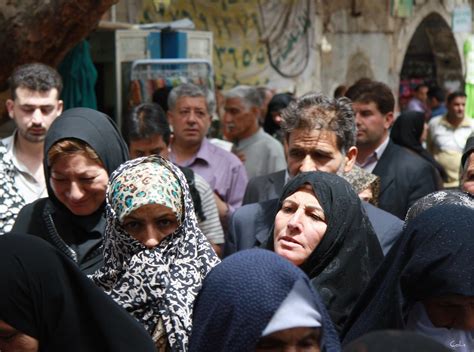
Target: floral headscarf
[159,285]
[146,183]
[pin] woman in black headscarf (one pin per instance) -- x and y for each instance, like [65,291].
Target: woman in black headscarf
[447,196]
[252,297]
[426,283]
[47,304]
[273,118]
[409,131]
[82,148]
[321,227]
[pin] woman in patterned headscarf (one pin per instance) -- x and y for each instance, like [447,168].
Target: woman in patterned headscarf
[155,255]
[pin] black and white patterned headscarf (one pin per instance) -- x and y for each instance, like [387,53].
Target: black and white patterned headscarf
[156,285]
[11,201]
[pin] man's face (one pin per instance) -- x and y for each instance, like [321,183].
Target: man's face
[313,150]
[148,146]
[33,112]
[467,181]
[372,125]
[301,339]
[239,120]
[457,107]
[190,120]
[422,94]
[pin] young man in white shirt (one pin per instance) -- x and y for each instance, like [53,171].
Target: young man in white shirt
[33,106]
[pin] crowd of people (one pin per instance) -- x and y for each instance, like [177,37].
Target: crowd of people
[307,223]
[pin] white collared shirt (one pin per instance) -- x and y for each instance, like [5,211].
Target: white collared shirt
[29,187]
[446,137]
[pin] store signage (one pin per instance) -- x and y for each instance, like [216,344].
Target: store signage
[462,19]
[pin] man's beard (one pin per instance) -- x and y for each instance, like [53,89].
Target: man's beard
[33,138]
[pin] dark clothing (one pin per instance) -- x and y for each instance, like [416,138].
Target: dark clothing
[407,131]
[468,149]
[79,243]
[250,225]
[78,237]
[275,105]
[265,187]
[45,296]
[231,314]
[387,227]
[395,341]
[405,177]
[189,174]
[432,258]
[349,238]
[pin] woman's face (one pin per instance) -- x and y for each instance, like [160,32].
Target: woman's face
[79,183]
[366,195]
[295,339]
[299,226]
[150,224]
[12,340]
[276,116]
[452,312]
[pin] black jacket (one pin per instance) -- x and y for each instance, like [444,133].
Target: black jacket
[83,246]
[405,177]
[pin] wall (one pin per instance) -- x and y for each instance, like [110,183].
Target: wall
[251,36]
[355,56]
[364,38]
[364,34]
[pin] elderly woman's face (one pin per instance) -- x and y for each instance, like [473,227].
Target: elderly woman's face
[79,183]
[12,340]
[299,226]
[150,224]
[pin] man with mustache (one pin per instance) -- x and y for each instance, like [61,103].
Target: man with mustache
[320,135]
[189,115]
[34,104]
[260,152]
[447,136]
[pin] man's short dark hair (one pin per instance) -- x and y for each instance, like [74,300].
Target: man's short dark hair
[455,95]
[437,93]
[315,111]
[36,77]
[368,91]
[144,121]
[421,85]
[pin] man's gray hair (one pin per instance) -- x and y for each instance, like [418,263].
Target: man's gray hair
[192,91]
[315,111]
[247,94]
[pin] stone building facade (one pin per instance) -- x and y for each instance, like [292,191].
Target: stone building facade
[304,45]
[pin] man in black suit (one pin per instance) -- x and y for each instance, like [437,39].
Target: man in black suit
[320,135]
[405,177]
